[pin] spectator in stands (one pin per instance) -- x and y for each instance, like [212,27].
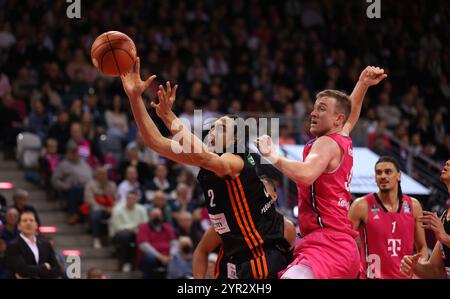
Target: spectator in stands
[81,64]
[10,125]
[130,183]
[132,159]
[60,131]
[422,128]
[49,160]
[185,226]
[25,82]
[180,265]
[30,256]
[160,181]
[10,232]
[93,106]
[438,128]
[40,120]
[75,111]
[117,119]
[145,154]
[100,195]
[87,126]
[86,150]
[183,201]
[407,106]
[154,241]
[387,112]
[50,97]
[70,178]
[21,198]
[159,201]
[125,220]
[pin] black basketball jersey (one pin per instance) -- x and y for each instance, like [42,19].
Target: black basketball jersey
[241,211]
[446,250]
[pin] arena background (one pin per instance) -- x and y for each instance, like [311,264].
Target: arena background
[246,58]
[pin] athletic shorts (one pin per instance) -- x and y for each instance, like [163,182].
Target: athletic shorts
[330,254]
[265,266]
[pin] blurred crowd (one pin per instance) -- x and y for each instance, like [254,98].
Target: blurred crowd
[228,57]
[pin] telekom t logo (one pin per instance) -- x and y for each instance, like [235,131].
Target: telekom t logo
[394,245]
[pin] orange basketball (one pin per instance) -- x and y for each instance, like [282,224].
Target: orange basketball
[113,53]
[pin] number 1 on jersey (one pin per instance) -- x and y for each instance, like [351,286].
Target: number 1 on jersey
[393,226]
[211,195]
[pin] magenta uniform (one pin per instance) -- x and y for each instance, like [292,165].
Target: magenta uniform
[386,238]
[328,239]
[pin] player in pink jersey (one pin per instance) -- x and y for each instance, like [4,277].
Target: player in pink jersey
[388,224]
[327,248]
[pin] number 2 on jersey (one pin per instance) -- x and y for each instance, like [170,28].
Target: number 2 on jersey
[211,195]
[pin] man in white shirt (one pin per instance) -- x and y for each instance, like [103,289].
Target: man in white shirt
[130,183]
[30,256]
[125,219]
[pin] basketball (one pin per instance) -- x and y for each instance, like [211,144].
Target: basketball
[113,53]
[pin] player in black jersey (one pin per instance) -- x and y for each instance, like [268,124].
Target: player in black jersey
[211,240]
[438,266]
[251,230]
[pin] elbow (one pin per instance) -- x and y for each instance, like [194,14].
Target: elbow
[305,179]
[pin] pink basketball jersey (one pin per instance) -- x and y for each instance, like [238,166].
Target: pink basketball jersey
[386,238]
[325,203]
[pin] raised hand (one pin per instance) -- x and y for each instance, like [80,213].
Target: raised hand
[265,146]
[166,99]
[132,83]
[372,75]
[431,221]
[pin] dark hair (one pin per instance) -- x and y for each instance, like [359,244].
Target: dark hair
[343,102]
[134,192]
[27,211]
[389,159]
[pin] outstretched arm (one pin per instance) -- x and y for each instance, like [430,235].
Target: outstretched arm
[322,152]
[369,76]
[227,164]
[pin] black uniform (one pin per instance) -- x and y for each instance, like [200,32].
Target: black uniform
[446,250]
[244,216]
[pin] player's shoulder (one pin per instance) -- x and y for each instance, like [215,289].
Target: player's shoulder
[326,142]
[360,203]
[415,201]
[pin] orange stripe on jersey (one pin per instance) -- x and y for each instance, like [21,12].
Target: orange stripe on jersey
[244,209]
[264,262]
[245,229]
[252,224]
[217,266]
[244,199]
[258,262]
[241,209]
[252,264]
[236,214]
